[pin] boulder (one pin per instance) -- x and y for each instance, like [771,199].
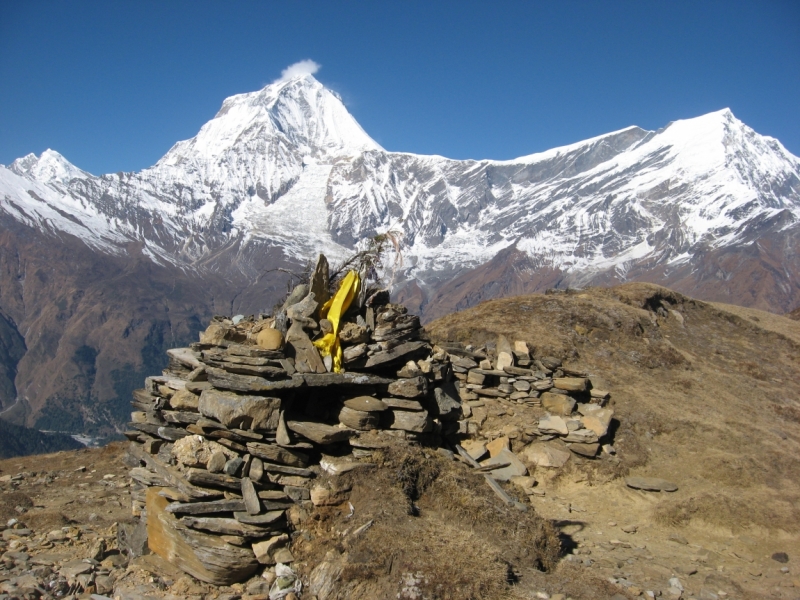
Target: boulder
[298,293]
[588,450]
[240,411]
[352,333]
[475,378]
[475,448]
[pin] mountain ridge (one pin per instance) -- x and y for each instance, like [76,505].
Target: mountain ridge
[706,206]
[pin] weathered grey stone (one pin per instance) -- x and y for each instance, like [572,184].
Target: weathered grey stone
[251,501]
[550,363]
[184,400]
[543,455]
[256,469]
[240,411]
[581,436]
[233,466]
[320,433]
[366,404]
[570,384]
[402,404]
[406,420]
[409,388]
[222,379]
[265,550]
[505,353]
[185,356]
[410,369]
[196,451]
[352,353]
[522,386]
[306,356]
[359,419]
[650,484]
[320,280]
[298,293]
[304,309]
[505,473]
[324,578]
[585,449]
[276,454]
[352,333]
[282,434]
[475,448]
[396,354]
[598,420]
[557,403]
[476,378]
[553,424]
[447,402]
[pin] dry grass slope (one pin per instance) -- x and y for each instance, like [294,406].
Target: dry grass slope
[707,394]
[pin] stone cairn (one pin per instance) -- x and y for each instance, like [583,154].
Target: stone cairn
[228,441]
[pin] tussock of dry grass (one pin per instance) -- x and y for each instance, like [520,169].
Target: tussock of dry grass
[462,543]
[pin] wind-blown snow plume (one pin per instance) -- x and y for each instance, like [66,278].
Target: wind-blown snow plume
[298,69]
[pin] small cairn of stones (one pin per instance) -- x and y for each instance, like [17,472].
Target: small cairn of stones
[563,402]
[228,441]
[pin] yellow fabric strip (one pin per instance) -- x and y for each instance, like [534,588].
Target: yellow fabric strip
[333,311]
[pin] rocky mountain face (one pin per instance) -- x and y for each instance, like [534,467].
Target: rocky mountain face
[100,274]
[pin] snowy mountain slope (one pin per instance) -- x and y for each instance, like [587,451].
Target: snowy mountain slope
[600,205]
[98,274]
[586,208]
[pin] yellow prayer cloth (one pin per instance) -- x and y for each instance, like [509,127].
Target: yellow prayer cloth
[333,310]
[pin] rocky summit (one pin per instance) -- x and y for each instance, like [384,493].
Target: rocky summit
[101,274]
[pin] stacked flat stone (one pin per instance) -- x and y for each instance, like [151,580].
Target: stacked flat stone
[574,410]
[228,441]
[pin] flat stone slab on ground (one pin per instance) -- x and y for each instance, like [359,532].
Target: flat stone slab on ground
[650,484]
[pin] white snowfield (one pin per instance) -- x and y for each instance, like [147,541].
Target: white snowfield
[288,165]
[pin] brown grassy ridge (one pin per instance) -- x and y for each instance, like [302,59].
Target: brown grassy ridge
[706,394]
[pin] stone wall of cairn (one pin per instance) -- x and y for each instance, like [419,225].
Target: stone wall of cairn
[228,441]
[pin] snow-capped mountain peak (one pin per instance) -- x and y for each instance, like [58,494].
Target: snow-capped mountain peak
[50,167]
[299,112]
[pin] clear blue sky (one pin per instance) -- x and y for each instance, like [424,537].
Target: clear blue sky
[112,85]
